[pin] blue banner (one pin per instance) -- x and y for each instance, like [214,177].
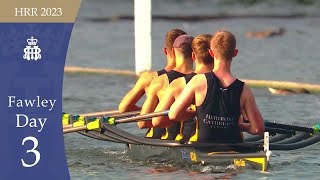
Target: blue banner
[32,58]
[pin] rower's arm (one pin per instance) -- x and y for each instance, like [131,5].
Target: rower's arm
[166,101]
[256,125]
[178,110]
[128,103]
[150,103]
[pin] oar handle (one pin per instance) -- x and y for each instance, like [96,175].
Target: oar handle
[141,117]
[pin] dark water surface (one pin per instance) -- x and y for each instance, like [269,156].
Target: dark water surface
[291,57]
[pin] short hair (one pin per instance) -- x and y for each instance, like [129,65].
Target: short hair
[223,44]
[171,36]
[201,46]
[185,49]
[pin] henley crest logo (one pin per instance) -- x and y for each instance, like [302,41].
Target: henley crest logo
[32,51]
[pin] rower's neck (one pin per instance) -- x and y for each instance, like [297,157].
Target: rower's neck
[222,71]
[171,64]
[203,68]
[184,65]
[222,66]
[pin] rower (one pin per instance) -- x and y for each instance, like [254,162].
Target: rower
[219,98]
[203,63]
[182,53]
[128,103]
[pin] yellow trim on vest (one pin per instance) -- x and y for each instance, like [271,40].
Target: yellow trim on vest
[166,135]
[194,138]
[193,107]
[180,135]
[150,133]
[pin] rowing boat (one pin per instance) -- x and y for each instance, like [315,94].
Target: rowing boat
[254,152]
[213,155]
[187,153]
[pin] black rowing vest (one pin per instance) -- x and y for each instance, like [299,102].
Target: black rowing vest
[218,115]
[171,132]
[157,133]
[174,129]
[188,127]
[188,77]
[162,71]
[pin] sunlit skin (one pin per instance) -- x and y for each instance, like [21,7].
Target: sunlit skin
[159,85]
[175,88]
[128,103]
[197,89]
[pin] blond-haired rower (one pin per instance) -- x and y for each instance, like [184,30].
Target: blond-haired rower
[220,98]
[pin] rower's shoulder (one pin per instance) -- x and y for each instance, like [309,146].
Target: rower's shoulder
[177,84]
[198,81]
[246,88]
[198,78]
[148,74]
[247,93]
[146,77]
[158,82]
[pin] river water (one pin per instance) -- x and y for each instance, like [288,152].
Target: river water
[294,56]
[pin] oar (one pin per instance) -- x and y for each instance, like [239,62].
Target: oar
[143,117]
[77,121]
[274,125]
[312,130]
[96,124]
[80,120]
[102,113]
[66,116]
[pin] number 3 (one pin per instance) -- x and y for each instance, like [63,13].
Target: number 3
[36,153]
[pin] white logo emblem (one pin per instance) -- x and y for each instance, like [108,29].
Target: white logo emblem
[32,52]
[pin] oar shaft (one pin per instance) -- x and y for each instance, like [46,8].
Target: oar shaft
[289,127]
[67,126]
[119,115]
[103,113]
[286,126]
[133,113]
[75,129]
[141,117]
